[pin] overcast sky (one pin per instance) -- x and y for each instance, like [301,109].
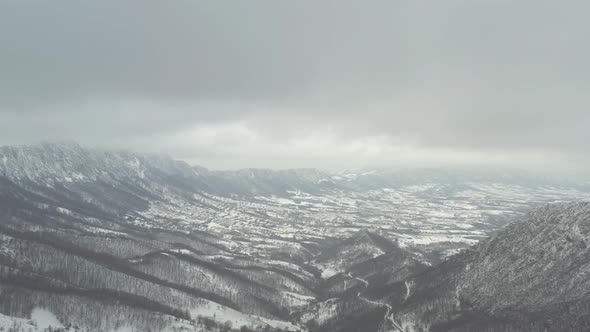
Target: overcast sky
[329,84]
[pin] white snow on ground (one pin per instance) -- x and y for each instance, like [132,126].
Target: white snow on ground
[5,250]
[281,324]
[328,271]
[425,240]
[182,251]
[222,314]
[44,318]
[297,300]
[41,319]
[64,211]
[321,311]
[420,216]
[98,230]
[8,322]
[288,265]
[173,326]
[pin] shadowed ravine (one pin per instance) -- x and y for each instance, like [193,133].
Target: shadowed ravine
[388,317]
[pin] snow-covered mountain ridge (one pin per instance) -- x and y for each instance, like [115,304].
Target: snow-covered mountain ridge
[69,162]
[428,210]
[117,233]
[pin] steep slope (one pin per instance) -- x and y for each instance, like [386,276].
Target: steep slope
[539,267]
[72,236]
[533,276]
[347,297]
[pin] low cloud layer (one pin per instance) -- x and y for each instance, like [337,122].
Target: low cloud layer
[305,83]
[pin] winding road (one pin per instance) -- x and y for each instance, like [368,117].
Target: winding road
[388,317]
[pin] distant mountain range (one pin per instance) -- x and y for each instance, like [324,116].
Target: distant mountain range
[156,244]
[71,163]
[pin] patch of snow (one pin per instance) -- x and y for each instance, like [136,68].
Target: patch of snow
[222,314]
[64,211]
[279,324]
[297,300]
[328,271]
[79,176]
[45,318]
[8,322]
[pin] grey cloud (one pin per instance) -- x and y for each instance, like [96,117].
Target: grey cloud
[497,77]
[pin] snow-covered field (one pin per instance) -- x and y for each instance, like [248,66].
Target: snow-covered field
[40,320]
[416,215]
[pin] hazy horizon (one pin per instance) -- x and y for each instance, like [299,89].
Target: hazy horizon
[467,170]
[306,84]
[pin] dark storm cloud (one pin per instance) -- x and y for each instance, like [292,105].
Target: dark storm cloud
[243,82]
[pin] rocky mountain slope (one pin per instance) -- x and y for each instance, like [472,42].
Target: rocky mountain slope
[70,242]
[155,243]
[532,276]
